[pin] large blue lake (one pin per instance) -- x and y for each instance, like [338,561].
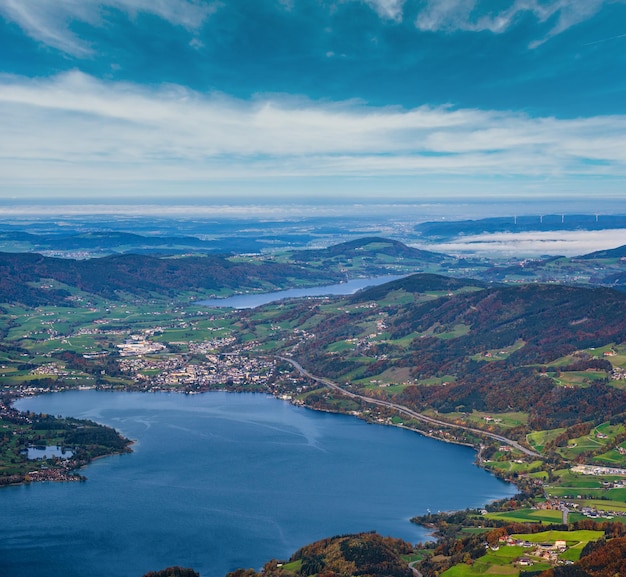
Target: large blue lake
[220,481]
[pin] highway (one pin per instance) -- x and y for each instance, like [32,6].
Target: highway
[406,411]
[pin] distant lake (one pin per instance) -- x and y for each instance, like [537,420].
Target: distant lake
[219,481]
[250,301]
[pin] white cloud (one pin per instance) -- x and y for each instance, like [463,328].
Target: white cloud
[74,128]
[565,243]
[50,22]
[470,15]
[389,9]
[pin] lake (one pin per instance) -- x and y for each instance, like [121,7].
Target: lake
[250,301]
[47,452]
[219,481]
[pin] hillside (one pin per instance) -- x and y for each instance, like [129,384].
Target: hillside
[25,277]
[370,555]
[619,252]
[377,256]
[370,246]
[365,257]
[604,560]
[417,283]
[363,554]
[108,242]
[34,279]
[433,343]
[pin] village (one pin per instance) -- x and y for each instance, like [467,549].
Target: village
[536,552]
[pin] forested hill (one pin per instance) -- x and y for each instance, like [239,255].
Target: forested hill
[363,554]
[370,555]
[470,348]
[25,277]
[33,279]
[107,242]
[364,247]
[417,283]
[619,252]
[552,320]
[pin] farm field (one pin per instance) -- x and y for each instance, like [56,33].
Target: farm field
[537,551]
[499,563]
[545,516]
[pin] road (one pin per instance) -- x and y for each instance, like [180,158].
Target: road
[406,411]
[415,571]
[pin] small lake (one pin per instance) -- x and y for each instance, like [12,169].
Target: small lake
[48,452]
[250,301]
[219,481]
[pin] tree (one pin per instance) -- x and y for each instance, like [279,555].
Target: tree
[173,572]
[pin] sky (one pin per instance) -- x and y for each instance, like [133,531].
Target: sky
[312,99]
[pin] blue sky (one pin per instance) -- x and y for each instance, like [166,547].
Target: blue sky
[313,98]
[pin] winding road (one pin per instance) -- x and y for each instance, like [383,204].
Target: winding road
[406,411]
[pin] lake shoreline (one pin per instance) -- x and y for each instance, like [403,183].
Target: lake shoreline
[67,472]
[379,457]
[253,300]
[72,477]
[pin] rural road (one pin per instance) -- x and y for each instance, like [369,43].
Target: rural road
[406,411]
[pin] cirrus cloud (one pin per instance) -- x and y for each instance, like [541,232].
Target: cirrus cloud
[73,127]
[472,15]
[50,22]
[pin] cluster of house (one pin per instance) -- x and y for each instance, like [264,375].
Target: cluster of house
[139,345]
[567,507]
[189,373]
[618,374]
[597,470]
[50,369]
[539,552]
[489,419]
[302,337]
[11,415]
[46,474]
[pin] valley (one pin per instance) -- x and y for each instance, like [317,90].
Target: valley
[531,375]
